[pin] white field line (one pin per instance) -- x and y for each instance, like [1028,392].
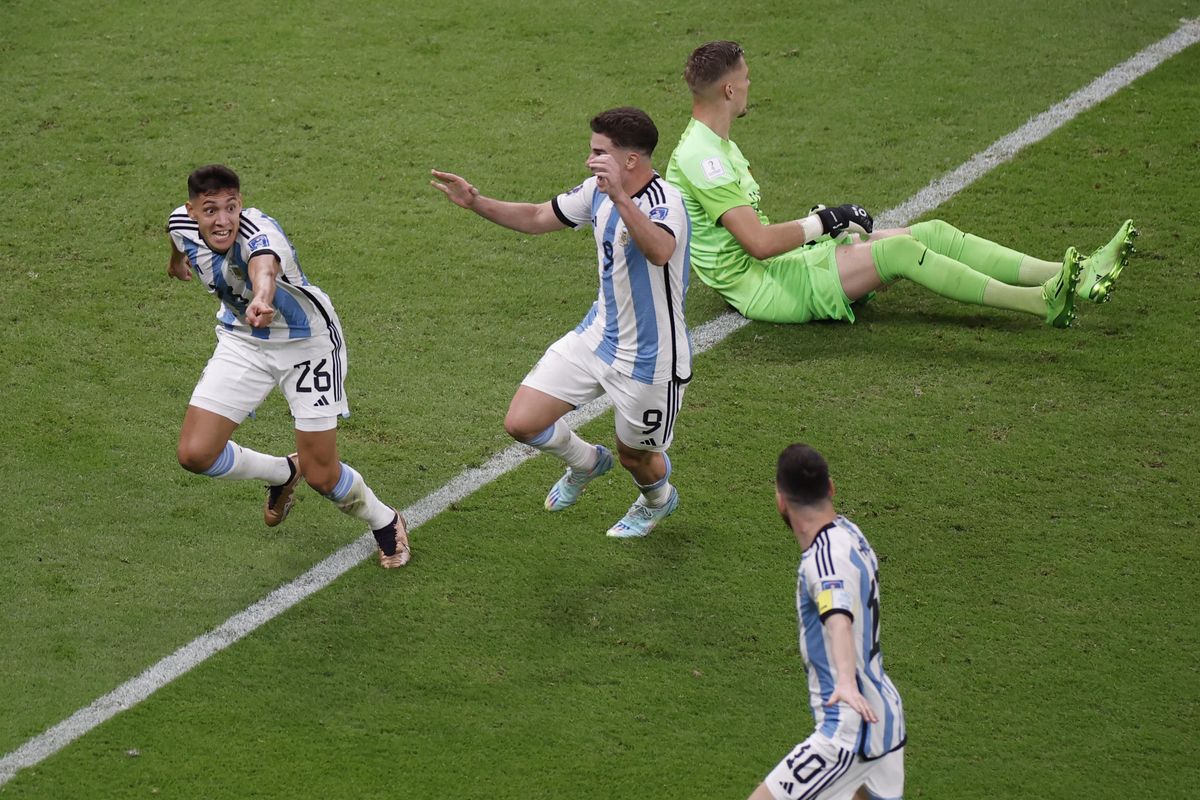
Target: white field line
[469,481]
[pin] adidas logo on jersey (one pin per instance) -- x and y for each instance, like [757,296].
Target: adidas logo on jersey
[649,443]
[787,787]
[321,402]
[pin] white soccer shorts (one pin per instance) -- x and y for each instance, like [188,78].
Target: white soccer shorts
[820,769]
[311,373]
[645,412]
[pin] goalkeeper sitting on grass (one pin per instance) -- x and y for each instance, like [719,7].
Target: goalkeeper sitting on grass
[815,267]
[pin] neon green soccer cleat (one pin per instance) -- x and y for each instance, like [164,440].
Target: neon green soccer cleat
[1059,291]
[1101,268]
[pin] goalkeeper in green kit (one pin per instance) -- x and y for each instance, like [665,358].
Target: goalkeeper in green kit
[815,267]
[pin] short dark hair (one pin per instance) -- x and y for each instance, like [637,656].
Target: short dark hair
[628,127]
[212,178]
[802,475]
[708,63]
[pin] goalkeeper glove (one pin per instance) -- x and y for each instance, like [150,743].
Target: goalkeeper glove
[850,217]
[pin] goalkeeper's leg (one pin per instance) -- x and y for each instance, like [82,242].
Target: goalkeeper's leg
[891,257]
[994,260]
[1100,269]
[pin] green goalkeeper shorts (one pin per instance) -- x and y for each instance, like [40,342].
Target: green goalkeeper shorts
[799,286]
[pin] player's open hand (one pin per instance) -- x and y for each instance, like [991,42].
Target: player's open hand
[259,313]
[608,174]
[460,192]
[850,695]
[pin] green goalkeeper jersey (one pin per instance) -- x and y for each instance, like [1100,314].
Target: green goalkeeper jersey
[714,177]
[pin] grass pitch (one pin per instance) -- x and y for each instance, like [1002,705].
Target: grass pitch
[1030,490]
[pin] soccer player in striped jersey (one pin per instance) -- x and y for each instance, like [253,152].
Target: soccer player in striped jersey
[857,749]
[633,344]
[274,328]
[816,267]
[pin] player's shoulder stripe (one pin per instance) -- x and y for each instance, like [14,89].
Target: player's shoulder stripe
[823,552]
[651,191]
[248,223]
[647,190]
[179,220]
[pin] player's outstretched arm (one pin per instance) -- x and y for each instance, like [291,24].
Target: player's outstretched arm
[766,241]
[178,267]
[523,217]
[263,269]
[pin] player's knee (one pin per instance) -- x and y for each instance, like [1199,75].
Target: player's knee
[896,256]
[939,236]
[519,428]
[633,460]
[904,244]
[195,459]
[321,477]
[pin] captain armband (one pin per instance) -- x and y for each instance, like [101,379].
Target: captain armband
[834,600]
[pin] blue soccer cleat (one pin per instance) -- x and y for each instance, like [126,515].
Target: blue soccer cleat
[566,492]
[640,519]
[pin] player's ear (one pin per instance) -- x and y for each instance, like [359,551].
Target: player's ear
[191,212]
[832,488]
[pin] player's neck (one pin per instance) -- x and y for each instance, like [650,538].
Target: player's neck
[715,118]
[633,182]
[808,522]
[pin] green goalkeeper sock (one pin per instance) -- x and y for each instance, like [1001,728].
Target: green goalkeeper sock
[994,260]
[904,257]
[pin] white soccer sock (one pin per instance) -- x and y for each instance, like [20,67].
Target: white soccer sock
[352,495]
[237,463]
[561,441]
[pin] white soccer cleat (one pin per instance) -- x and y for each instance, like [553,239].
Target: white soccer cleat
[641,518]
[566,492]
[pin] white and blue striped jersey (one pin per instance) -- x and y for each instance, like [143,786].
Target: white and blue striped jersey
[301,309]
[839,575]
[637,323]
